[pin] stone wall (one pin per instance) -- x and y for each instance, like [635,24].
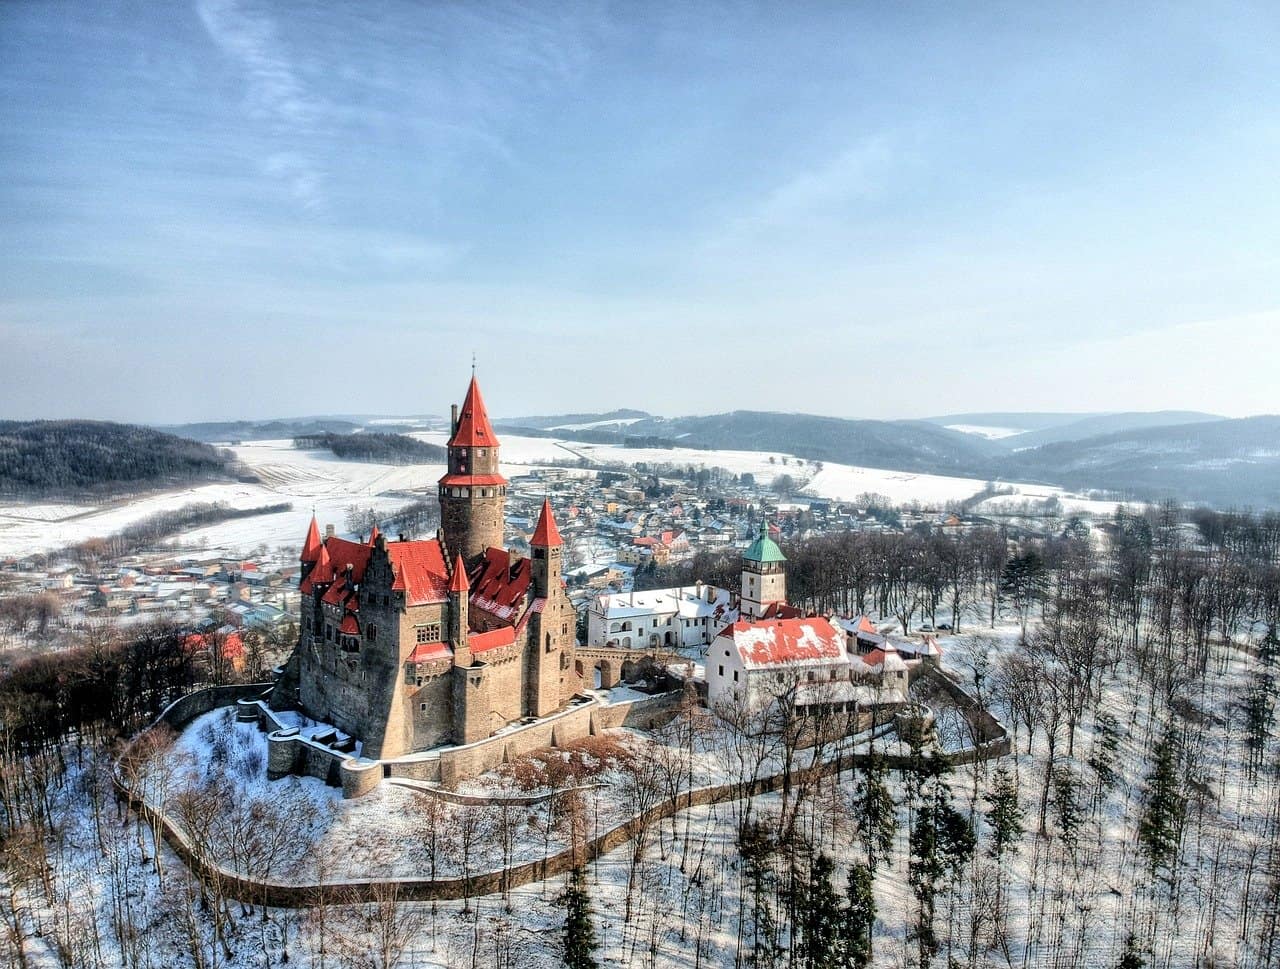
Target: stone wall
[182,711]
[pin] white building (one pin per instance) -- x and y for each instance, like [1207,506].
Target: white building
[684,617]
[755,660]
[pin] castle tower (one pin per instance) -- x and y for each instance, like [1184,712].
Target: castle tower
[764,575]
[552,628]
[473,495]
[459,595]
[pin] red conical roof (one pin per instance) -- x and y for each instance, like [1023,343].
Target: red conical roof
[474,429]
[373,535]
[546,534]
[458,582]
[311,545]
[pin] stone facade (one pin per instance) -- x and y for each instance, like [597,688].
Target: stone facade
[410,645]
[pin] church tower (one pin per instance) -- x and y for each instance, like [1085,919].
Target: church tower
[764,575]
[473,495]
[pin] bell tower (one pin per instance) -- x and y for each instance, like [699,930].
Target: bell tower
[473,495]
[764,575]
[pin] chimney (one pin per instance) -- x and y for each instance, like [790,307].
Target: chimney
[329,531]
[453,421]
[381,543]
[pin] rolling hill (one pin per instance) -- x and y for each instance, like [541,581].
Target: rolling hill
[40,458]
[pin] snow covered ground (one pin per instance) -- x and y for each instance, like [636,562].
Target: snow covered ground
[317,479]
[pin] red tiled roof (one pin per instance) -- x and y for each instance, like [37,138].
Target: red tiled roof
[546,534]
[373,535]
[493,639]
[459,581]
[425,652]
[311,545]
[473,479]
[418,566]
[474,429]
[865,625]
[497,586]
[777,642]
[420,571]
[350,626]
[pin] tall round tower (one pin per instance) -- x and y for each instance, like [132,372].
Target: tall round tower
[473,495]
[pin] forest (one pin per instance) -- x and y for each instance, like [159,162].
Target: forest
[75,458]
[1135,821]
[374,447]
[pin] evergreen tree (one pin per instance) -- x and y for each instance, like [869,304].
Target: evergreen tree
[1024,581]
[820,917]
[579,934]
[1102,757]
[1005,816]
[879,816]
[941,844]
[1164,808]
[857,919]
[1131,958]
[1066,805]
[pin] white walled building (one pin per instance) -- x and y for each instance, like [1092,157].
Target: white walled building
[684,617]
[755,659]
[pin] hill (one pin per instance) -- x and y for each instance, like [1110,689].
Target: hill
[378,448]
[1223,462]
[273,430]
[1096,424]
[39,458]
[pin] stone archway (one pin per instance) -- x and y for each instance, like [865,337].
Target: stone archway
[605,674]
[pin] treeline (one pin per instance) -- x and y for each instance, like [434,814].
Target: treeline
[149,531]
[378,448]
[100,457]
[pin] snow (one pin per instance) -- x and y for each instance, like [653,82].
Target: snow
[984,430]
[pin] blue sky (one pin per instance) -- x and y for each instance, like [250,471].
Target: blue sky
[245,209]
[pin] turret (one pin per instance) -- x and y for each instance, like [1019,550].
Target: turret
[547,547]
[459,595]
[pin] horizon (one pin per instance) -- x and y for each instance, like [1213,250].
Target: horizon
[869,213]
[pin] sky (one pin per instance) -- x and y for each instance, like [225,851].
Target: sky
[230,209]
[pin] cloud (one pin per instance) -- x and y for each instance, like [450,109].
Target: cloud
[858,173]
[276,95]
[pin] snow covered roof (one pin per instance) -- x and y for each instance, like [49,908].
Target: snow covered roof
[687,602]
[786,642]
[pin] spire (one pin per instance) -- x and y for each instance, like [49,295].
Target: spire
[311,545]
[458,581]
[373,535]
[546,534]
[474,429]
[764,548]
[323,570]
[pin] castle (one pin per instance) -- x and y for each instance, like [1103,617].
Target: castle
[408,645]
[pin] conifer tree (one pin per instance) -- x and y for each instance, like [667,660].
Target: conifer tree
[1066,805]
[874,806]
[579,934]
[1164,808]
[1131,958]
[1005,816]
[820,917]
[857,919]
[1102,757]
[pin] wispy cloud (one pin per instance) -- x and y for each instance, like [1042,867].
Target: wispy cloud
[276,96]
[858,173]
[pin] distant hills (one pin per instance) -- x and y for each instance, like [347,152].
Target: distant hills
[65,458]
[1016,431]
[1141,455]
[218,432]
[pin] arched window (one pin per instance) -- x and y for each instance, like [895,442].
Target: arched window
[615,627]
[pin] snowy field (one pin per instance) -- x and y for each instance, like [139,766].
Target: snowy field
[317,479]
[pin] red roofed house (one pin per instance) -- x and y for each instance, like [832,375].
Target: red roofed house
[758,659]
[413,644]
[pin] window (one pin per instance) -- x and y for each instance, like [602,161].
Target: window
[735,676]
[422,707]
[371,633]
[722,671]
[429,633]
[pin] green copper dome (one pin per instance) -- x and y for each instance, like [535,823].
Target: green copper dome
[764,548]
